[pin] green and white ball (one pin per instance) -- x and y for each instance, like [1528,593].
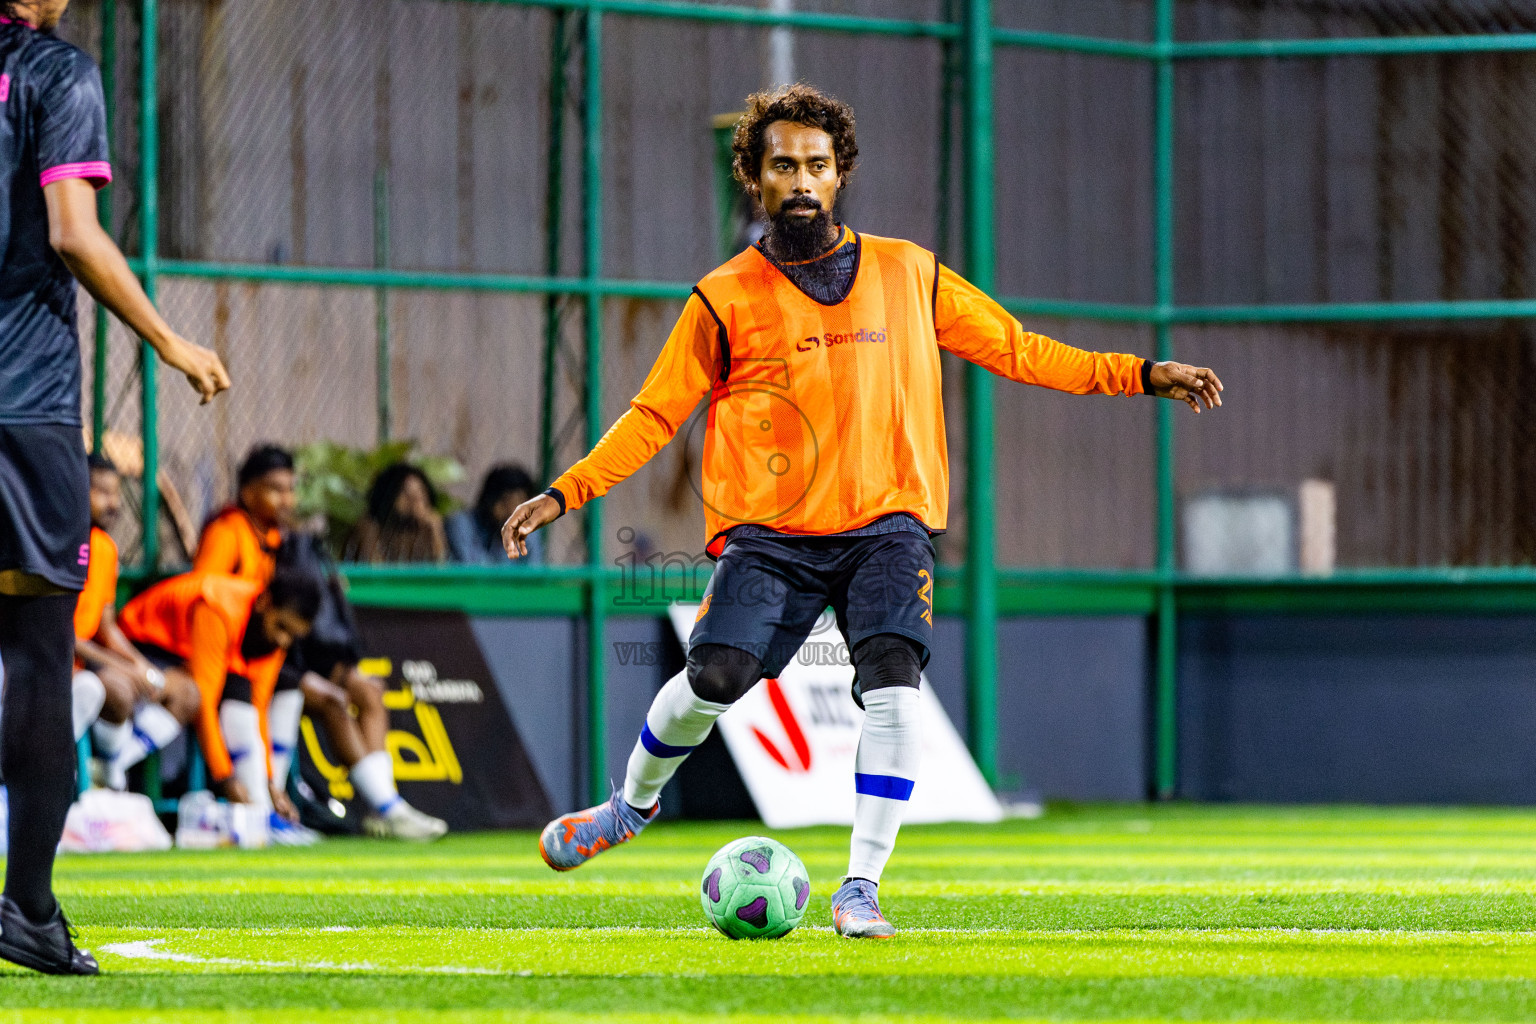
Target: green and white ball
[755,888]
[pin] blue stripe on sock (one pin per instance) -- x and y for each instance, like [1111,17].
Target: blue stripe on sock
[390,804]
[150,746]
[281,748]
[656,748]
[892,787]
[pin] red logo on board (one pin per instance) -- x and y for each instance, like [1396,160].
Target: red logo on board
[798,745]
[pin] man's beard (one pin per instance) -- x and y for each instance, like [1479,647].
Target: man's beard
[791,239]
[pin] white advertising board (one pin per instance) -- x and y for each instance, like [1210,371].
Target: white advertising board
[794,738]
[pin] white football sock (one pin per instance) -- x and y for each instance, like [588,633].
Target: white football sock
[677,722]
[108,739]
[283,726]
[885,768]
[152,727]
[88,697]
[241,726]
[374,779]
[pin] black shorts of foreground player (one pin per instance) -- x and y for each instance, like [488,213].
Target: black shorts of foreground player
[767,593]
[825,470]
[53,157]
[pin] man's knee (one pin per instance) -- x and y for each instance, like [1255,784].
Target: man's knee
[721,674]
[120,697]
[324,698]
[365,691]
[181,697]
[887,659]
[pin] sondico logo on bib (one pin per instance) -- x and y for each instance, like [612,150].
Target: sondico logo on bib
[861,335]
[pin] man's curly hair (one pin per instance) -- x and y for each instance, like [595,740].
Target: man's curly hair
[799,104]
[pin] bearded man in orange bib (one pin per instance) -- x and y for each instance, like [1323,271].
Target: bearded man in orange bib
[825,471]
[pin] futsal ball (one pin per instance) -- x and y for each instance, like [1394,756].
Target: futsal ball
[755,888]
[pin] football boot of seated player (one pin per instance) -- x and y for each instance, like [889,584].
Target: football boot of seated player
[856,911]
[290,833]
[402,821]
[571,840]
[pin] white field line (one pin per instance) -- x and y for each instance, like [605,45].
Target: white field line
[148,949]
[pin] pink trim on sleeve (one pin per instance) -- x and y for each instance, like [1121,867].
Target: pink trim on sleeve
[98,171]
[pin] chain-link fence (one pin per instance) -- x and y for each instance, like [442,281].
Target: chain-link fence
[396,218]
[421,135]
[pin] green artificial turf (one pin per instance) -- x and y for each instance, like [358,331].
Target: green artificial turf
[1142,913]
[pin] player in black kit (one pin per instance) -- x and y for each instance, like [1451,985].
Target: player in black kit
[53,157]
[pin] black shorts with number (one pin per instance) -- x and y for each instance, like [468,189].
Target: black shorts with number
[45,502]
[767,593]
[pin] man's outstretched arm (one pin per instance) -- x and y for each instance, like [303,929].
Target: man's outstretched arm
[975,328]
[684,372]
[96,262]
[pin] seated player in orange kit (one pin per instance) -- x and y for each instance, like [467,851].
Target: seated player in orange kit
[131,694]
[250,539]
[217,627]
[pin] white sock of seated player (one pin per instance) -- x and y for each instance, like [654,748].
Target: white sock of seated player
[677,722]
[283,726]
[241,725]
[151,728]
[374,779]
[87,698]
[108,739]
[885,768]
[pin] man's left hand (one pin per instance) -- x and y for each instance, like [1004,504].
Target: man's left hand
[1184,383]
[282,804]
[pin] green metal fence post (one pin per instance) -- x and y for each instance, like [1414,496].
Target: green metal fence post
[149,240]
[104,213]
[951,79]
[981,576]
[1166,726]
[382,354]
[554,216]
[592,189]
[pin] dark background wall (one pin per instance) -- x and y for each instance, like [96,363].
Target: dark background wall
[1282,708]
[1371,708]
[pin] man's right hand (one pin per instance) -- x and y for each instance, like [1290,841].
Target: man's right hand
[231,789]
[144,687]
[76,234]
[537,511]
[203,367]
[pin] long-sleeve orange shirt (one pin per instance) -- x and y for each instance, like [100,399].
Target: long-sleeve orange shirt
[100,591]
[824,418]
[231,545]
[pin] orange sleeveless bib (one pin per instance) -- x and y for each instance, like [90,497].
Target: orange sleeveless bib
[828,417]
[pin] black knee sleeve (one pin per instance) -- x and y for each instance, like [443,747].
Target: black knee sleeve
[721,674]
[289,678]
[237,687]
[885,659]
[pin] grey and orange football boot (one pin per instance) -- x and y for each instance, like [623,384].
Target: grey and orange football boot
[856,911]
[573,839]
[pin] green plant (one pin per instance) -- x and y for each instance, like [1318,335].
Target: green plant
[334,479]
